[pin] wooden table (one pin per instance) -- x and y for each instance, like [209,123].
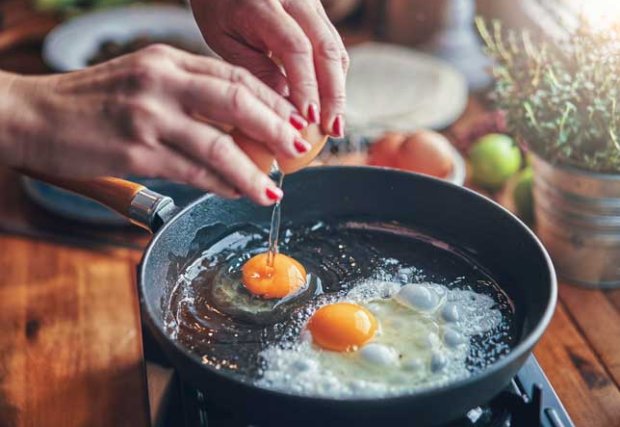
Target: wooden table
[70,343]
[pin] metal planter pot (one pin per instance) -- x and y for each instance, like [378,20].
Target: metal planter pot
[578,220]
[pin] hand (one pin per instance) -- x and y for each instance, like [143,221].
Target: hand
[257,33]
[137,115]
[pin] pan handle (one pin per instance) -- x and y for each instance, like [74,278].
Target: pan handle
[143,207]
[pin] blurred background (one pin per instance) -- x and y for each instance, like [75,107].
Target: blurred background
[409,22]
[421,97]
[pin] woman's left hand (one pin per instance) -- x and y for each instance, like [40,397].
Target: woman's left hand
[296,33]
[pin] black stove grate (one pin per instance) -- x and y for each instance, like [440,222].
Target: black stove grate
[529,401]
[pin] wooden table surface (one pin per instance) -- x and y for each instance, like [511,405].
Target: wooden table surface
[70,344]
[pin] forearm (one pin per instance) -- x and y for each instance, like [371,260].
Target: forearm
[137,115]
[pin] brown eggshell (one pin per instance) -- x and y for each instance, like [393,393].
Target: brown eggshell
[425,152]
[264,158]
[383,151]
[257,152]
[314,136]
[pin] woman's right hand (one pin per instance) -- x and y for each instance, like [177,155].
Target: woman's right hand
[137,115]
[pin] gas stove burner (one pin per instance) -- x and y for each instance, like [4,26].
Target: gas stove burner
[529,401]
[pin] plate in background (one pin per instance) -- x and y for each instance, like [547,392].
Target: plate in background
[70,45]
[394,88]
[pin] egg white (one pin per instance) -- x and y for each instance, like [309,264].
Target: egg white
[423,341]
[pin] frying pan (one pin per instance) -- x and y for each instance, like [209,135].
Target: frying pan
[480,228]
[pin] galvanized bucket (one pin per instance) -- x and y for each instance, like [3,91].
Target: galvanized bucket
[578,220]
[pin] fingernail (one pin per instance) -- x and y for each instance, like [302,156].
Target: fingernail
[297,121]
[301,146]
[274,194]
[338,126]
[313,113]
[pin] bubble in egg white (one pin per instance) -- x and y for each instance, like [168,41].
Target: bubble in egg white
[438,361]
[432,340]
[379,354]
[450,312]
[417,296]
[453,338]
[403,275]
[303,365]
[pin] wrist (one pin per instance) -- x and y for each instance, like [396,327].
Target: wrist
[17,119]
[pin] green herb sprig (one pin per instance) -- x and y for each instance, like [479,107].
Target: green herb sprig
[561,99]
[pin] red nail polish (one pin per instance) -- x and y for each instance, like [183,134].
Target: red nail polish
[297,121]
[313,113]
[338,126]
[300,146]
[273,194]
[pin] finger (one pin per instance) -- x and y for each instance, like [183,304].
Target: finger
[164,162]
[344,55]
[287,42]
[327,53]
[199,64]
[211,147]
[216,68]
[270,97]
[235,104]
[257,62]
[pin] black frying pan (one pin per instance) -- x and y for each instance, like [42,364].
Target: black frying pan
[480,228]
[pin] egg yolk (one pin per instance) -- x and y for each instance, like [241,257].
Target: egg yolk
[342,326]
[286,276]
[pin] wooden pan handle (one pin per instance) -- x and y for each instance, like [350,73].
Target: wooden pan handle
[114,193]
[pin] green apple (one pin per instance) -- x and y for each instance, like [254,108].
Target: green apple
[494,159]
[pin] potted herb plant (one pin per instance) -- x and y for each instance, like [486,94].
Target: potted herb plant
[562,102]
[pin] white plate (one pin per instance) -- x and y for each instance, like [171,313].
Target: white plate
[399,89]
[70,45]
